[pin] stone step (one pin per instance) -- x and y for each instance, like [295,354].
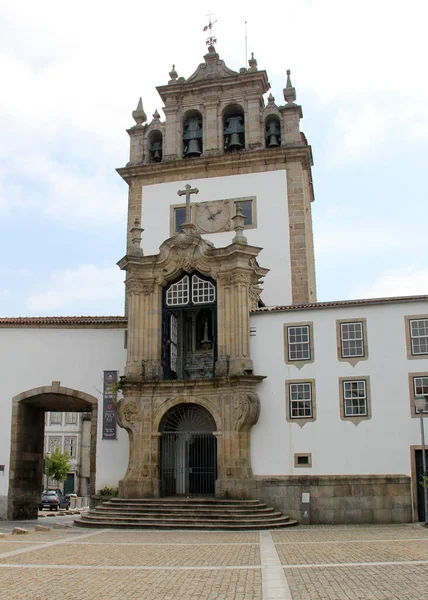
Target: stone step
[184,513]
[169,517]
[183,501]
[188,510]
[205,526]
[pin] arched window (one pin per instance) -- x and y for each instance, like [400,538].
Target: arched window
[273,132]
[155,146]
[189,347]
[192,134]
[234,128]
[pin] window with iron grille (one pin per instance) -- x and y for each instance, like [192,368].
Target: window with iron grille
[300,400]
[352,339]
[419,336]
[354,398]
[53,444]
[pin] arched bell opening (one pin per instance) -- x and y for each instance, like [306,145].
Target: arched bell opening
[189,326]
[192,134]
[156,146]
[272,132]
[234,128]
[188,451]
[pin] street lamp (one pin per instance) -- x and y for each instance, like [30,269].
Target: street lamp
[420,402]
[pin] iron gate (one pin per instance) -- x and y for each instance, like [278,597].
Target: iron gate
[188,463]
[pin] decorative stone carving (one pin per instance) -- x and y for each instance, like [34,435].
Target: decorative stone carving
[247,410]
[129,415]
[134,286]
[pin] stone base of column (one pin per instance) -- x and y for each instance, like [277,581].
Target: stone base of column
[136,488]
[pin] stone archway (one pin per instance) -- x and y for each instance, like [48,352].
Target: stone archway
[188,451]
[27,442]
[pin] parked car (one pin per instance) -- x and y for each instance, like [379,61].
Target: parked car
[53,500]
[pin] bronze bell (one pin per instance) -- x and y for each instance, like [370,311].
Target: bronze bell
[234,142]
[193,149]
[273,141]
[272,134]
[156,152]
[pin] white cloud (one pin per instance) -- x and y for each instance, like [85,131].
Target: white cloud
[85,286]
[395,283]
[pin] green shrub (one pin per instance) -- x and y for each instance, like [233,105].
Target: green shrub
[111,492]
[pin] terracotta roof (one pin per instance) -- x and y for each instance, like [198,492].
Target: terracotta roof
[108,321]
[341,303]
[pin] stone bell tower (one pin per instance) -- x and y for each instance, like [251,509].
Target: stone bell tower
[225,178]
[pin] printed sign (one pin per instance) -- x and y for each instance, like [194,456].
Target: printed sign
[109,405]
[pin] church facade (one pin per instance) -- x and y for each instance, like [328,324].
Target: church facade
[234,381]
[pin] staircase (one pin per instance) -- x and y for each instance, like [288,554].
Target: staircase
[176,513]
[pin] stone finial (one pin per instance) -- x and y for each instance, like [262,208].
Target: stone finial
[156,115]
[238,225]
[253,63]
[138,114]
[289,91]
[271,100]
[173,75]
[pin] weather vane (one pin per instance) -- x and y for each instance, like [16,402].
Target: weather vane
[211,40]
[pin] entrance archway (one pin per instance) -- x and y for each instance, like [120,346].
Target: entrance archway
[188,451]
[27,442]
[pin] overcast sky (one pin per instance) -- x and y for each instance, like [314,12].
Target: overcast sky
[72,73]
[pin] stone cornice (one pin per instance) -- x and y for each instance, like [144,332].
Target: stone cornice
[175,387]
[256,161]
[197,87]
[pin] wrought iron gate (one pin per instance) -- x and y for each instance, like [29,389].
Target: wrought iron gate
[188,463]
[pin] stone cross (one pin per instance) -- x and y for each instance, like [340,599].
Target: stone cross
[189,190]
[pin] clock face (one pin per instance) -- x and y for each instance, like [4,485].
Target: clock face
[212,217]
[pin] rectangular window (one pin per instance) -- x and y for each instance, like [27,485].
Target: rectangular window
[53,444]
[354,398]
[419,336]
[70,446]
[420,387]
[300,400]
[71,418]
[247,211]
[56,418]
[352,339]
[179,217]
[299,347]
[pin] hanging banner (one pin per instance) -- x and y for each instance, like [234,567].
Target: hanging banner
[109,405]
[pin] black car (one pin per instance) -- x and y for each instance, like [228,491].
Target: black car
[53,501]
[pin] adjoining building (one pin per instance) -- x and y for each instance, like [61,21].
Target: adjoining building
[237,383]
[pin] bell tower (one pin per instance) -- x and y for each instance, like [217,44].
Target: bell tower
[223,182]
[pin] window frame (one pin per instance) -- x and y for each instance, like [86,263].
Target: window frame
[357,418]
[410,354]
[298,465]
[69,421]
[412,392]
[299,363]
[301,421]
[52,421]
[74,439]
[253,201]
[352,360]
[50,440]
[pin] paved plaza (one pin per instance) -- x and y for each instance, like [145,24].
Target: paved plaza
[301,563]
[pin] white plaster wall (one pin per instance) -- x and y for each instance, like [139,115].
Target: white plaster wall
[271,234]
[379,445]
[34,357]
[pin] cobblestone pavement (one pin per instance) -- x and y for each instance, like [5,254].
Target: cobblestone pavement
[303,563]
